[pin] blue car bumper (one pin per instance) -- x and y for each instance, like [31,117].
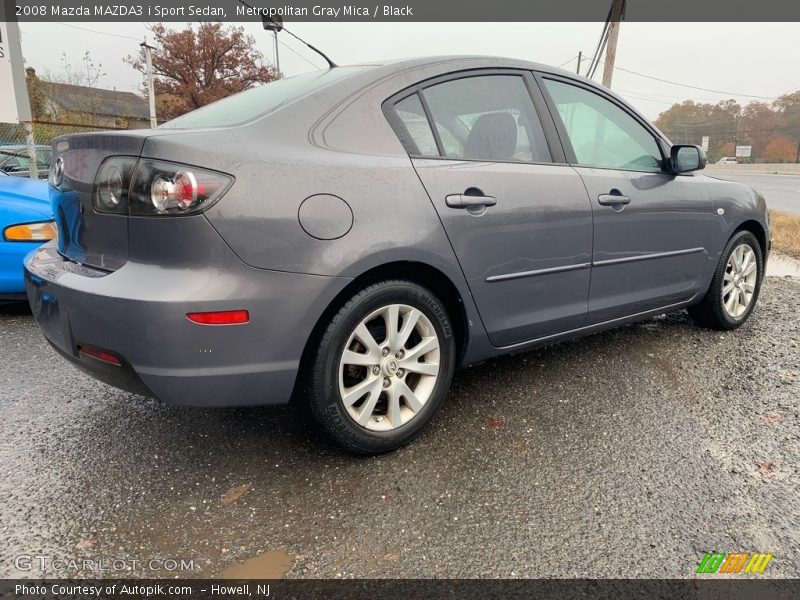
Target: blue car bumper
[12,273]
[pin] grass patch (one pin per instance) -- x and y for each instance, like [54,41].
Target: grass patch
[785,232]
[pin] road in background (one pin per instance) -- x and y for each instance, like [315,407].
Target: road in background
[781,191]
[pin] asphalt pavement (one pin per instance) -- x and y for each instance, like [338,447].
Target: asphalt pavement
[781,191]
[626,454]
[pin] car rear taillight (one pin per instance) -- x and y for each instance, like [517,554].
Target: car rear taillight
[144,187]
[111,184]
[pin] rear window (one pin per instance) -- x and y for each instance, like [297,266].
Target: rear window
[248,105]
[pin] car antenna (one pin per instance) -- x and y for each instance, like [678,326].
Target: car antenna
[275,23]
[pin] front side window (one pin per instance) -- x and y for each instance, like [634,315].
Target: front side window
[489,117]
[601,133]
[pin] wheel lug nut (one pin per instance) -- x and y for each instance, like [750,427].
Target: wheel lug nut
[400,354]
[376,369]
[385,352]
[387,382]
[400,372]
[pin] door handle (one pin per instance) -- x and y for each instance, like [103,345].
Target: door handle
[465,201]
[613,199]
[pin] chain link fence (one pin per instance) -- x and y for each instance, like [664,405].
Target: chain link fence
[15,156]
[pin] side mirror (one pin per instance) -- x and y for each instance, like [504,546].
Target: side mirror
[686,158]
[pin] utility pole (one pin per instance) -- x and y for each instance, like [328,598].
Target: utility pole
[580,58]
[15,106]
[151,93]
[277,57]
[274,24]
[617,12]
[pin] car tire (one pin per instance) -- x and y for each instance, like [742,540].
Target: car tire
[719,309]
[394,373]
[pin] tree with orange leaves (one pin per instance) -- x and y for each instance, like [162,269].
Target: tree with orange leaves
[196,66]
[780,149]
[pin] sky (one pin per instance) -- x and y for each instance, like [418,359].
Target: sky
[746,61]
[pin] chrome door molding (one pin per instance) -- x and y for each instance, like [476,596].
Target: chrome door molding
[650,256]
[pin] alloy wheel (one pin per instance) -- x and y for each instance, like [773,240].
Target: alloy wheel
[389,367]
[739,281]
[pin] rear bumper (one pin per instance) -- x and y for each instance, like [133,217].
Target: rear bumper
[138,313]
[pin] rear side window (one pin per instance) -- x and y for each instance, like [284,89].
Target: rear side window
[488,117]
[248,105]
[414,130]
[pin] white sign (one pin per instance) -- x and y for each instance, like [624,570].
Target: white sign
[704,143]
[14,106]
[743,151]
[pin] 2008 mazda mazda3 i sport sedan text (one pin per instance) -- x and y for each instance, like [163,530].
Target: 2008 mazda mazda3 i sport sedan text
[350,237]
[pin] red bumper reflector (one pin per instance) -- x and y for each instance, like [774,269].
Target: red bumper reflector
[100,355]
[225,317]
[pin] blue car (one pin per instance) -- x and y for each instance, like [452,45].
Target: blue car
[25,223]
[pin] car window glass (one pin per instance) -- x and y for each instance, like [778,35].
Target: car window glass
[421,141]
[490,117]
[15,164]
[258,101]
[601,133]
[43,158]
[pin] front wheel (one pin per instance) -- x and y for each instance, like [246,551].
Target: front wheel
[734,289]
[382,367]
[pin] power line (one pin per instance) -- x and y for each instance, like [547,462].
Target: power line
[694,87]
[119,35]
[285,45]
[673,97]
[568,61]
[599,49]
[331,64]
[639,96]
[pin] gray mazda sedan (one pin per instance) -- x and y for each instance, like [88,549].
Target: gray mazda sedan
[347,238]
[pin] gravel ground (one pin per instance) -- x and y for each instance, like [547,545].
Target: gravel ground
[626,454]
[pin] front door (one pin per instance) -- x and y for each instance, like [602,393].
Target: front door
[520,224]
[650,227]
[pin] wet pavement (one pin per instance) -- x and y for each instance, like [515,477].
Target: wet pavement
[626,454]
[782,192]
[780,265]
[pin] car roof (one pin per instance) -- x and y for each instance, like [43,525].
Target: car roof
[462,61]
[467,62]
[470,61]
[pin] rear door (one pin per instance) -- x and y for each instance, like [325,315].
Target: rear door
[650,226]
[516,214]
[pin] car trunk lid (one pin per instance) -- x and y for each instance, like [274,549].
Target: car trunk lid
[85,235]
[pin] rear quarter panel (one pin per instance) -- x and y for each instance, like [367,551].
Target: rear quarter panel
[337,144]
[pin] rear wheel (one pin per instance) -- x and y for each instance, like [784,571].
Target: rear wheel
[734,289]
[382,367]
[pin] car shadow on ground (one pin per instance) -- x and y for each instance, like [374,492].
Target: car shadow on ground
[248,435]
[14,308]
